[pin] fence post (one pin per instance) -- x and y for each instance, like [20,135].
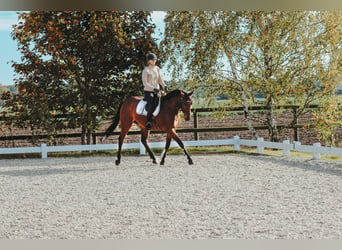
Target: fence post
[295,128]
[296,144]
[142,148]
[94,139]
[316,154]
[286,149]
[195,125]
[44,150]
[236,143]
[260,147]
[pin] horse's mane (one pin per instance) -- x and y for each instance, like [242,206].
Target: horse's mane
[171,94]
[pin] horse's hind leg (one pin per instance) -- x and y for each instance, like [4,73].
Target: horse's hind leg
[125,126]
[121,140]
[167,145]
[144,136]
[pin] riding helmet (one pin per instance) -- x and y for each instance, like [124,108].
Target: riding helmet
[151,56]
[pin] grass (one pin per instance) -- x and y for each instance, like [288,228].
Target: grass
[176,151]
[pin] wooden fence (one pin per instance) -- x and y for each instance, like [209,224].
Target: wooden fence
[293,108]
[196,129]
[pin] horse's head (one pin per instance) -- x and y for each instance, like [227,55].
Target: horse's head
[185,104]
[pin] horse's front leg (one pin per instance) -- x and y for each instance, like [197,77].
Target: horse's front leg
[144,136]
[174,136]
[167,145]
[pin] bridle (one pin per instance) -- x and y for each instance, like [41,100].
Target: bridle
[187,101]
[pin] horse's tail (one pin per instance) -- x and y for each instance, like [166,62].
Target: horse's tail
[113,125]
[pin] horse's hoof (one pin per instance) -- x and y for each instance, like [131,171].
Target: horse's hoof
[155,162]
[117,162]
[191,162]
[162,163]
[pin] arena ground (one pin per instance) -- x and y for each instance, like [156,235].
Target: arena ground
[225,196]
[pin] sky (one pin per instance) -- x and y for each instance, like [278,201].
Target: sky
[9,51]
[8,47]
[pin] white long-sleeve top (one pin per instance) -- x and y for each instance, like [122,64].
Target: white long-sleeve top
[151,78]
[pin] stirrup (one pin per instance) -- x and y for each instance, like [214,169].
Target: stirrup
[148,125]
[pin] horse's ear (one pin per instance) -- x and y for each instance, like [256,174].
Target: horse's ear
[190,94]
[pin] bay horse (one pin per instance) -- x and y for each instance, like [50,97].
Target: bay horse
[167,120]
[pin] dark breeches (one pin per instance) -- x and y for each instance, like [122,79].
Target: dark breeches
[152,101]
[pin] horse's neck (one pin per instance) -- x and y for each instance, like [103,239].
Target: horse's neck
[173,105]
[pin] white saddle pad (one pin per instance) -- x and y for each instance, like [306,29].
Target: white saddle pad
[142,111]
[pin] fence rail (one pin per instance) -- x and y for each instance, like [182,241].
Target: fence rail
[236,142]
[196,128]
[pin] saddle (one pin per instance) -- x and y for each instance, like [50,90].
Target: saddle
[141,108]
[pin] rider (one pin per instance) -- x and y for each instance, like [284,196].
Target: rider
[152,79]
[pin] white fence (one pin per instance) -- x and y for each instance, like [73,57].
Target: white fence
[316,149]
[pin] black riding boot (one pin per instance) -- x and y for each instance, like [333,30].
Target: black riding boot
[148,124]
[150,109]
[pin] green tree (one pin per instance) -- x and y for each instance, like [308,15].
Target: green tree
[3,89]
[327,119]
[78,64]
[285,55]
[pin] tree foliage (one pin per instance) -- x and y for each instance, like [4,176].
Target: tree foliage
[79,64]
[3,89]
[285,55]
[328,118]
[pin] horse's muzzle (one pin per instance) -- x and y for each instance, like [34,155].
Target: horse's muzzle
[187,117]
